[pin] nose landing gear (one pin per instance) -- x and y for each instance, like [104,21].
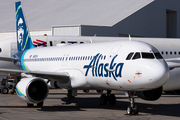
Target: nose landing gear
[132,109]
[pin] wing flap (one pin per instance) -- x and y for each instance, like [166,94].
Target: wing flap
[62,77]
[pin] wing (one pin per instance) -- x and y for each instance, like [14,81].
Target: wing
[62,77]
[173,63]
[8,59]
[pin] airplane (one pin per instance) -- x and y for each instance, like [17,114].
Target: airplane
[125,65]
[169,50]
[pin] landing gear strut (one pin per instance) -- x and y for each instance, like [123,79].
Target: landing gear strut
[109,98]
[70,96]
[132,109]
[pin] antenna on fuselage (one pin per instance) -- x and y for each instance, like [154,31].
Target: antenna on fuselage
[90,40]
[129,37]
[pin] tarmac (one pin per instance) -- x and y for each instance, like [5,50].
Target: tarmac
[86,106]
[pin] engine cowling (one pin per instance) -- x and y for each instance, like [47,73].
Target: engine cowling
[53,84]
[32,90]
[150,94]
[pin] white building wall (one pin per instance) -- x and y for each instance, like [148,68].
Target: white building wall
[8,35]
[66,30]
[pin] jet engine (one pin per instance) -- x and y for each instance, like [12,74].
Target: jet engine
[32,90]
[150,95]
[53,84]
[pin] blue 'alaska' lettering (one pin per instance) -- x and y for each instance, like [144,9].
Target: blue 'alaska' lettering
[104,69]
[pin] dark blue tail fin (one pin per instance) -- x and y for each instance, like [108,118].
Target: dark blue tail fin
[23,38]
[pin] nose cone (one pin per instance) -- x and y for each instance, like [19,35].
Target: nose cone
[158,74]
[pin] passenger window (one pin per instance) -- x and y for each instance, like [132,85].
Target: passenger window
[147,55]
[130,56]
[158,55]
[136,56]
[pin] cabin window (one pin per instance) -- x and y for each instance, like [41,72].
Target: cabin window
[129,56]
[158,55]
[136,56]
[147,55]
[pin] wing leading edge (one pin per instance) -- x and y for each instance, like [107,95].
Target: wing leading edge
[173,63]
[62,77]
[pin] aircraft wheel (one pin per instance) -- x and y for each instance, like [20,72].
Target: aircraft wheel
[70,99]
[40,104]
[86,91]
[129,110]
[30,105]
[103,99]
[135,110]
[112,99]
[5,90]
[132,111]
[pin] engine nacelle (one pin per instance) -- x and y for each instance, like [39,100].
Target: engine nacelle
[32,90]
[150,94]
[53,84]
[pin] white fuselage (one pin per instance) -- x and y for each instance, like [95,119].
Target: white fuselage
[164,45]
[109,70]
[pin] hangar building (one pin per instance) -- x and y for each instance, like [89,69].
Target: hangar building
[142,18]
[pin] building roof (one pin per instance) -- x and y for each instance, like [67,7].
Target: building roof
[43,14]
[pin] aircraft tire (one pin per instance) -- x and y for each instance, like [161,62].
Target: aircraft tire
[30,105]
[129,110]
[112,99]
[40,104]
[132,111]
[5,90]
[103,99]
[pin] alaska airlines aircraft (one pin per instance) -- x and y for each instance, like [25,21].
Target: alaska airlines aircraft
[122,65]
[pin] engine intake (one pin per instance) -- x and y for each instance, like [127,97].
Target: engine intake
[32,90]
[150,94]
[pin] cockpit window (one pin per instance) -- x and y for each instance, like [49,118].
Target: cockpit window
[158,55]
[136,56]
[147,55]
[130,56]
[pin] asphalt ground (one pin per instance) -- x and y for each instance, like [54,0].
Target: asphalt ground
[87,107]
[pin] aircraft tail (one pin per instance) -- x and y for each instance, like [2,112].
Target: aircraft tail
[23,37]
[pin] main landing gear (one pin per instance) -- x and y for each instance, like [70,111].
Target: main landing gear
[38,104]
[132,109]
[109,98]
[71,96]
